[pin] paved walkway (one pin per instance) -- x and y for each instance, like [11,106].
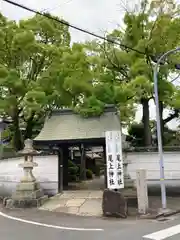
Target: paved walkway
[84,203]
[89,203]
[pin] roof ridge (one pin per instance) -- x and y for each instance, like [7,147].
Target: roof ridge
[69,111]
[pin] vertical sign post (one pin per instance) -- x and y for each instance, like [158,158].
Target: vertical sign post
[115,175]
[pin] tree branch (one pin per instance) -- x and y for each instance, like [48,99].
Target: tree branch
[113,64]
[171,116]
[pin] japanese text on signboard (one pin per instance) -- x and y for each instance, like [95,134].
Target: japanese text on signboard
[114,161]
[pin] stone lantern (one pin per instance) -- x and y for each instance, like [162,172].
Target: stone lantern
[28,152]
[28,192]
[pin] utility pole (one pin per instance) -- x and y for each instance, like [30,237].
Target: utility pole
[158,122]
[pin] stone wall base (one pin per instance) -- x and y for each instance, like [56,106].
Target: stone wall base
[27,194]
[128,183]
[25,203]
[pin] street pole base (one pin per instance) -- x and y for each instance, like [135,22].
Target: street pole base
[164,210]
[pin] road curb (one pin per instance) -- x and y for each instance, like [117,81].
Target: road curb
[156,216]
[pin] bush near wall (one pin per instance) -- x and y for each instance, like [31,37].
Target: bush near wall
[7,152]
[89,174]
[73,172]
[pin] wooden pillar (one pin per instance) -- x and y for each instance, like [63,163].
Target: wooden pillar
[60,171]
[105,168]
[65,156]
[83,163]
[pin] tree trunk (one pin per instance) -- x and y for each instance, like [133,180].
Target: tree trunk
[17,137]
[145,120]
[29,128]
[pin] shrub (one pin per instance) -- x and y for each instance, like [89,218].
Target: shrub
[72,171]
[71,163]
[89,174]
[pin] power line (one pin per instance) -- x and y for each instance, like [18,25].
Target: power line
[71,25]
[153,58]
[55,7]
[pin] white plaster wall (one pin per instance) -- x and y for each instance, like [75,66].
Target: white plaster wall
[150,161]
[46,173]
[47,170]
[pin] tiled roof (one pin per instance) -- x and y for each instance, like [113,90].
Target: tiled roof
[66,125]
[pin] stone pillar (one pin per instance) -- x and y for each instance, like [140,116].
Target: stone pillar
[142,192]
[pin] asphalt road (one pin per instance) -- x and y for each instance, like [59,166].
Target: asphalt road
[14,229]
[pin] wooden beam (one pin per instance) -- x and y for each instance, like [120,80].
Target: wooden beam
[83,163]
[65,154]
[60,171]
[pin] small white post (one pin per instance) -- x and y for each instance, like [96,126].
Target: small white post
[142,191]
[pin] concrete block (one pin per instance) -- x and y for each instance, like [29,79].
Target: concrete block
[73,210]
[91,207]
[75,202]
[96,194]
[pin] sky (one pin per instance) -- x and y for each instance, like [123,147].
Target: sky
[98,16]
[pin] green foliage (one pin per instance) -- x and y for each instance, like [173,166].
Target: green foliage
[71,164]
[3,72]
[90,107]
[73,171]
[6,133]
[39,71]
[89,174]
[175,100]
[124,77]
[97,171]
[170,137]
[136,134]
